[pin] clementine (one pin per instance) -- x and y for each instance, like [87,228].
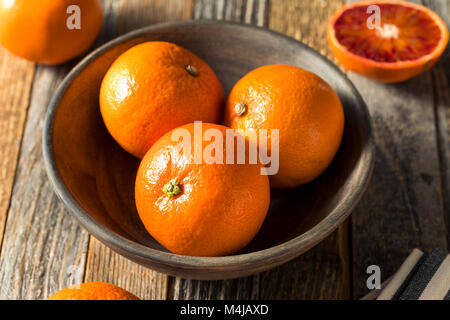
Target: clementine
[43,31]
[409,39]
[303,107]
[93,291]
[199,208]
[153,88]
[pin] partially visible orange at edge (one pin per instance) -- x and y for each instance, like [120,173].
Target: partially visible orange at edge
[93,291]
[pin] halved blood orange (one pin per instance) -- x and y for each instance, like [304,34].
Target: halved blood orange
[409,39]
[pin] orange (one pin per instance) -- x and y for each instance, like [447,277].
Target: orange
[201,208]
[37,30]
[93,291]
[409,40]
[153,88]
[303,107]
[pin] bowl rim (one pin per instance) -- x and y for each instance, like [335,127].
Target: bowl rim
[253,261]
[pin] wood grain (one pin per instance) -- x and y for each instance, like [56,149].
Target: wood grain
[15,86]
[44,247]
[106,265]
[441,84]
[323,272]
[402,208]
[136,14]
[305,21]
[102,263]
[247,11]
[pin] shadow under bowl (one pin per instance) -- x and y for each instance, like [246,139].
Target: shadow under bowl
[94,177]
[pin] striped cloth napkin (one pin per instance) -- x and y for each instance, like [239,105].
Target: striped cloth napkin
[423,276]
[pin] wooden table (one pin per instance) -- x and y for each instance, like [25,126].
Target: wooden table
[43,249]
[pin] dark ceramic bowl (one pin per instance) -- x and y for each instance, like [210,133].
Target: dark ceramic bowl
[94,177]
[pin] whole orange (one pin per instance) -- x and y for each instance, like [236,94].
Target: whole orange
[153,88]
[199,208]
[93,291]
[49,31]
[303,107]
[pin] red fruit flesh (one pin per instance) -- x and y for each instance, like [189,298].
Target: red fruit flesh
[405,33]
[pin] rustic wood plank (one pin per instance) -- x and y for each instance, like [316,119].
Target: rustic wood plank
[441,84]
[247,11]
[44,247]
[16,76]
[402,208]
[246,288]
[305,21]
[137,13]
[321,273]
[102,263]
[324,271]
[252,12]
[106,265]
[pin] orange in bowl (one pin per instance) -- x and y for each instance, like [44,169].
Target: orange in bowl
[199,208]
[305,110]
[153,88]
[408,39]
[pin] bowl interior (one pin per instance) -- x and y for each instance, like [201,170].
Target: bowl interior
[100,175]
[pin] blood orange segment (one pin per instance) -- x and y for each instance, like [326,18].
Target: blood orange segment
[408,40]
[406,33]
